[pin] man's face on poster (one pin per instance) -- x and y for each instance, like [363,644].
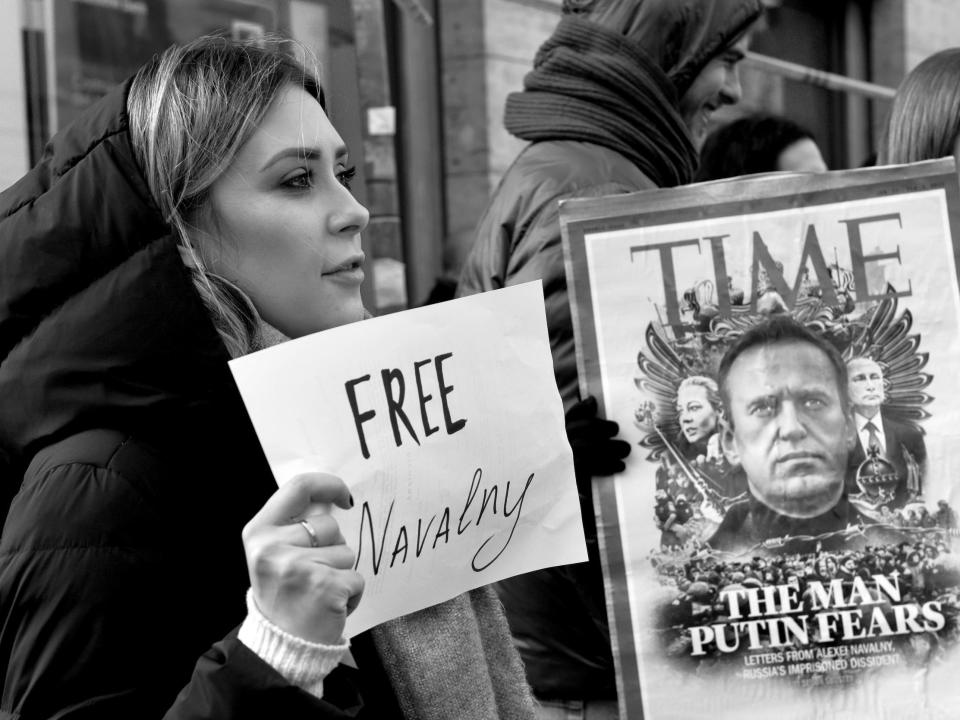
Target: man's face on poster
[865,385]
[790,431]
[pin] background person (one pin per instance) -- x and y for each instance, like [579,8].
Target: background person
[924,121]
[198,212]
[759,143]
[618,100]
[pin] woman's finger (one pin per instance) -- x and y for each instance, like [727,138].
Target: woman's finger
[340,557]
[325,529]
[294,499]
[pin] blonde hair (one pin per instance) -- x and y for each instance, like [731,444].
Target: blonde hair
[925,118]
[708,384]
[191,109]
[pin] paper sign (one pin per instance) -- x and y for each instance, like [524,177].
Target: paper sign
[446,423]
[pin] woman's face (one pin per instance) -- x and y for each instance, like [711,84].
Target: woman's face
[287,226]
[698,419]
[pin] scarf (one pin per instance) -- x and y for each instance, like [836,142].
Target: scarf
[456,660]
[594,85]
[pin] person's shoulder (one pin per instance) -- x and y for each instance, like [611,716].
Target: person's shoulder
[116,451]
[88,488]
[549,171]
[907,432]
[573,167]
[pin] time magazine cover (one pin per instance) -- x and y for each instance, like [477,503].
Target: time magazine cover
[783,354]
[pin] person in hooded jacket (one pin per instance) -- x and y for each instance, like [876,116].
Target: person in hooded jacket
[198,212]
[619,100]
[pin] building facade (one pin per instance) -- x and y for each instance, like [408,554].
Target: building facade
[418,87]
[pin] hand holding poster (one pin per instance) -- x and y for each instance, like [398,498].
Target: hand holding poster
[783,352]
[446,424]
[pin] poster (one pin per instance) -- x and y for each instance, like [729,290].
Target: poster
[446,424]
[782,353]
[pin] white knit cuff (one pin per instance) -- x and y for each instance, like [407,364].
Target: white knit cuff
[300,662]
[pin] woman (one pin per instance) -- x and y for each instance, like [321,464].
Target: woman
[618,100]
[198,212]
[698,412]
[924,121]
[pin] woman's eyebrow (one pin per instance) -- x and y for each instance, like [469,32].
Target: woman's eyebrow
[302,153]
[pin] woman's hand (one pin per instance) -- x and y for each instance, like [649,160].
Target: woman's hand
[304,586]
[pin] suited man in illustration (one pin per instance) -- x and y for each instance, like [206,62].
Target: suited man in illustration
[899,443]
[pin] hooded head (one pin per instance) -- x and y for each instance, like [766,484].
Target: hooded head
[680,36]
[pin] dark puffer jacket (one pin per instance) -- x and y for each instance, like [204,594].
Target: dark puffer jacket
[122,573]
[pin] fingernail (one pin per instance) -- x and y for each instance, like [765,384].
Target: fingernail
[351,500]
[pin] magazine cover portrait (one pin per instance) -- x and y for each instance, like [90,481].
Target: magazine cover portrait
[783,355]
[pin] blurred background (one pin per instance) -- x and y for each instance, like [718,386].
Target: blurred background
[417,89]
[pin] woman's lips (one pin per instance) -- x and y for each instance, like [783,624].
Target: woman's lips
[352,276]
[349,271]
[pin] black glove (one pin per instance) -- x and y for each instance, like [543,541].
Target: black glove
[595,451]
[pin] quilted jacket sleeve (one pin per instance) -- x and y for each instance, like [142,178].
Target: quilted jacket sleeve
[101,615]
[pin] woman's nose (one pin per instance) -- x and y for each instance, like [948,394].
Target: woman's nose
[350,217]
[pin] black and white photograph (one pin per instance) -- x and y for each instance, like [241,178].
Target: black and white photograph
[479,359]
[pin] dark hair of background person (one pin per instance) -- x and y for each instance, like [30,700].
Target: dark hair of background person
[780,328]
[924,119]
[445,288]
[752,144]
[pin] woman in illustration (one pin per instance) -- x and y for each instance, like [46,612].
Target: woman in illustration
[698,414]
[150,566]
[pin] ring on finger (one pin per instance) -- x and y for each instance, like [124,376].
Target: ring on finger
[314,540]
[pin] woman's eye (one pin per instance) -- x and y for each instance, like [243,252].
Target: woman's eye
[346,175]
[303,179]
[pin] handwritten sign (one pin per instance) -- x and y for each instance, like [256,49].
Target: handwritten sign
[447,425]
